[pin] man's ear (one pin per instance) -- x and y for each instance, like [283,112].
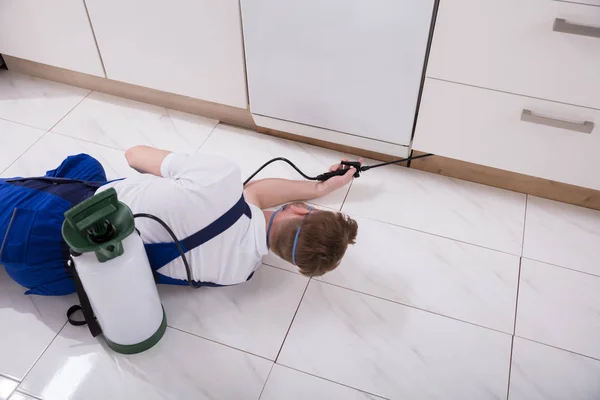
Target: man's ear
[299,210]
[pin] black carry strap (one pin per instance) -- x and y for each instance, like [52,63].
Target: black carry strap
[85,306]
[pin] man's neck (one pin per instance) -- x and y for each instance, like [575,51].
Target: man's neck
[267,215]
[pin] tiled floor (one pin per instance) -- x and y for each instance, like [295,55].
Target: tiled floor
[453,290]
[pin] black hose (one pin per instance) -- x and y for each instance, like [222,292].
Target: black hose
[368,167]
[188,270]
[328,175]
[279,159]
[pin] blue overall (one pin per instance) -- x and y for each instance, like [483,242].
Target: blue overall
[31,216]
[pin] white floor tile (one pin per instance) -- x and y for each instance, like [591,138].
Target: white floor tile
[429,272]
[122,123]
[273,260]
[14,140]
[251,150]
[562,234]
[180,366]
[544,373]
[253,316]
[465,211]
[52,149]
[36,102]
[559,307]
[7,387]
[394,351]
[21,396]
[27,325]
[288,384]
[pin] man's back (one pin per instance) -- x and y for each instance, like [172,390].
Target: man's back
[192,193]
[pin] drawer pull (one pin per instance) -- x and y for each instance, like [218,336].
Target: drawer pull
[584,127]
[561,25]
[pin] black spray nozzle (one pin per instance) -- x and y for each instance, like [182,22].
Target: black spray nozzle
[342,171]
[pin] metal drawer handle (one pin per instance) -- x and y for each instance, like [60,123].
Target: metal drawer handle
[561,25]
[584,127]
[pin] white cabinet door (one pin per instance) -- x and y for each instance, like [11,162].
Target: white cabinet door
[536,48]
[530,136]
[53,32]
[352,66]
[188,47]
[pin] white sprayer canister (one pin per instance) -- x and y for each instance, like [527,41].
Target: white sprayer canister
[122,293]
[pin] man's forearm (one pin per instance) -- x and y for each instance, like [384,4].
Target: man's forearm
[145,159]
[271,192]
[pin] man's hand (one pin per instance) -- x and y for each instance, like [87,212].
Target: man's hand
[337,182]
[267,193]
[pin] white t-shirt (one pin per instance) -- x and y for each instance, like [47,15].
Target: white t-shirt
[194,191]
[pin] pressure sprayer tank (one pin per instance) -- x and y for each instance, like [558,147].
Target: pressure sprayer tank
[111,262]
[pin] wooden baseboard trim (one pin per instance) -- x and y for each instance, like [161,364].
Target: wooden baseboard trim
[231,115]
[545,188]
[243,118]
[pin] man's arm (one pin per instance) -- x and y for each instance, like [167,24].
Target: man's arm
[145,159]
[267,193]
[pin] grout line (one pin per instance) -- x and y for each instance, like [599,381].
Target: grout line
[432,234]
[24,393]
[517,297]
[524,225]
[512,347]
[219,343]
[579,3]
[282,269]
[411,306]
[266,381]
[332,381]
[86,141]
[557,348]
[41,355]
[87,13]
[208,136]
[10,378]
[23,153]
[118,148]
[512,93]
[47,131]
[293,318]
[24,124]
[345,197]
[562,267]
[70,111]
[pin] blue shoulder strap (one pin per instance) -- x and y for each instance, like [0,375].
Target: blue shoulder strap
[160,254]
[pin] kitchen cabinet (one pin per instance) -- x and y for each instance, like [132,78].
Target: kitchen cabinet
[56,33]
[188,47]
[530,136]
[514,85]
[352,68]
[531,47]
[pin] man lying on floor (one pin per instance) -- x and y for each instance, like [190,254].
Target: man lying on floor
[190,193]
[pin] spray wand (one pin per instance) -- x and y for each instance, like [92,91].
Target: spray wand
[328,175]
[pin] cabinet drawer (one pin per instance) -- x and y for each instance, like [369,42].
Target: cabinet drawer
[486,127]
[519,47]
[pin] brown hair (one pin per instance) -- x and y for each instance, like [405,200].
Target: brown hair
[323,240]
